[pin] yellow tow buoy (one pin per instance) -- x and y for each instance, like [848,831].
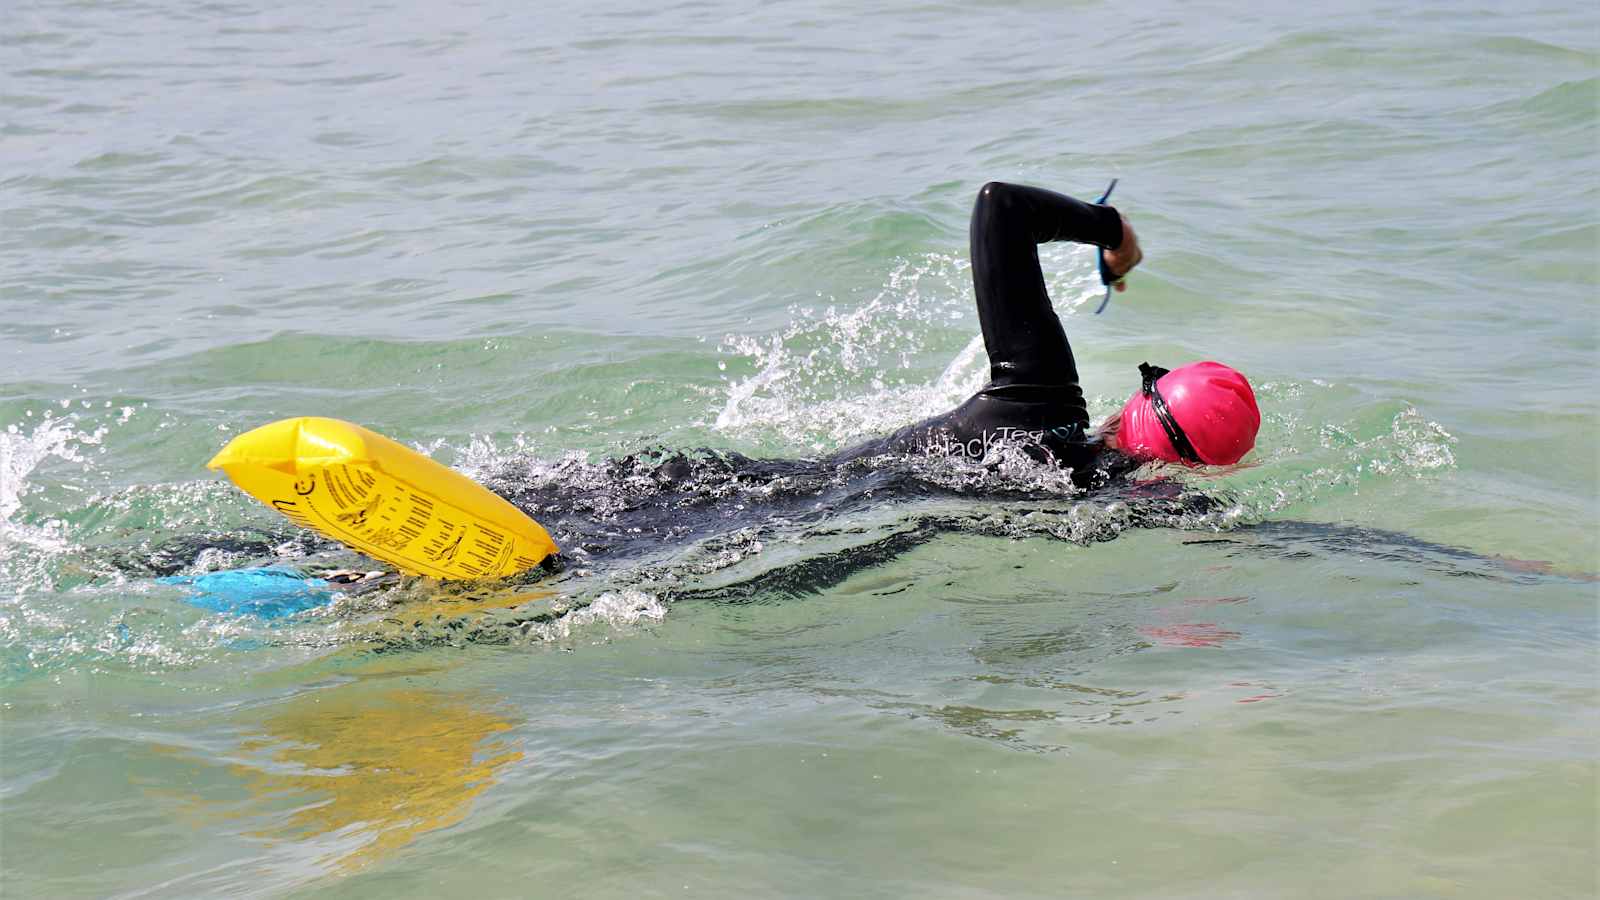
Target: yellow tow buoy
[383,499]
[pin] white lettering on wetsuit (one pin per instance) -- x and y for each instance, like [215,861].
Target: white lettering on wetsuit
[979,447]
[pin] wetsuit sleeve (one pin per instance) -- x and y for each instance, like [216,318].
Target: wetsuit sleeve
[1020,329]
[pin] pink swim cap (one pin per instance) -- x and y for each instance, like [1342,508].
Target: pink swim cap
[1200,414]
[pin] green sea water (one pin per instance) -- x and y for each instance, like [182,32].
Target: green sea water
[527,239]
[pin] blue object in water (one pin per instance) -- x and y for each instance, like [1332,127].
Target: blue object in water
[269,592]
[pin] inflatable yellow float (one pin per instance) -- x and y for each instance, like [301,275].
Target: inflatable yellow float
[383,499]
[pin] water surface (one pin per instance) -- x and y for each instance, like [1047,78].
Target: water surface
[531,241]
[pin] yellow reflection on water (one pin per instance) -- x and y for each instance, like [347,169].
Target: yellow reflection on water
[446,613]
[379,765]
[442,604]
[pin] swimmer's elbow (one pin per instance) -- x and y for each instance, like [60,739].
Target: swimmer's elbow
[997,192]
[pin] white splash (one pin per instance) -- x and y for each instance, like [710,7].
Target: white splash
[615,609]
[22,451]
[832,376]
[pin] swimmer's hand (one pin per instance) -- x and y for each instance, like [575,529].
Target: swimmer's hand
[1122,260]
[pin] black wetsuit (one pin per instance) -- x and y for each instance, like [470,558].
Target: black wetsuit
[1032,399]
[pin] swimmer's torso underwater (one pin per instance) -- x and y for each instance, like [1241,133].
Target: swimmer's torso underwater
[1018,457]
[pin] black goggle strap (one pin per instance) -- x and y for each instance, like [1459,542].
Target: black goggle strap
[1105,273]
[1180,441]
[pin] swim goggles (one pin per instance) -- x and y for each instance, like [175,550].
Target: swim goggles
[1149,375]
[1105,273]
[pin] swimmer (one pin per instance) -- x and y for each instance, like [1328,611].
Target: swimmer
[1200,414]
[627,510]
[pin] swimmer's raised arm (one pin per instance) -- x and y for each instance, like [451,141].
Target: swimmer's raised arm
[1020,330]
